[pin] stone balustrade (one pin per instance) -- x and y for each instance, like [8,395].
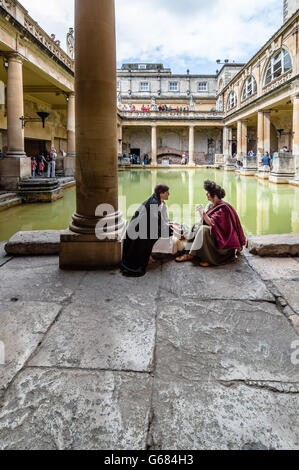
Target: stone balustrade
[176,115]
[18,12]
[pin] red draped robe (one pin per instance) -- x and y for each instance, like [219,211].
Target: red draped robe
[226,228]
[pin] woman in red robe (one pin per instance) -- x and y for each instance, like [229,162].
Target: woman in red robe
[216,241]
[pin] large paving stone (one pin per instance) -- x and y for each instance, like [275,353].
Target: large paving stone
[37,242]
[211,416]
[45,283]
[51,409]
[110,324]
[275,268]
[274,245]
[227,340]
[22,326]
[290,291]
[233,281]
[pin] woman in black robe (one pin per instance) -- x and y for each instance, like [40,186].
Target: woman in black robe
[145,229]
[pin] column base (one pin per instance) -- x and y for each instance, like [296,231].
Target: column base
[13,170]
[87,252]
[281,179]
[248,171]
[191,165]
[263,175]
[154,165]
[69,164]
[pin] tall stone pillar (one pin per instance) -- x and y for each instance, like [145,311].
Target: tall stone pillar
[239,139]
[244,139]
[154,145]
[295,149]
[267,131]
[226,132]
[191,146]
[16,165]
[260,136]
[69,160]
[93,240]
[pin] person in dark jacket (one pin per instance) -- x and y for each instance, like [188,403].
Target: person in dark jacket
[146,227]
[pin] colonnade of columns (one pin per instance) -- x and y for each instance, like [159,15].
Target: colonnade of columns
[16,165]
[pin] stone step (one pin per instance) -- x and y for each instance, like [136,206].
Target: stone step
[7,196]
[9,203]
[34,243]
[274,245]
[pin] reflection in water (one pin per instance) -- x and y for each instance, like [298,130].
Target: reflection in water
[263,207]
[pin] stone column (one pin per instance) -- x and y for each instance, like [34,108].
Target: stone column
[267,131]
[69,160]
[244,138]
[239,139]
[93,240]
[295,146]
[154,145]
[191,146]
[226,132]
[120,140]
[260,136]
[16,165]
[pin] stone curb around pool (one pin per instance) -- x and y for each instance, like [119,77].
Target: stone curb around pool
[47,242]
[36,243]
[274,245]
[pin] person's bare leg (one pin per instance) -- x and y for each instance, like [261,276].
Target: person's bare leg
[151,261]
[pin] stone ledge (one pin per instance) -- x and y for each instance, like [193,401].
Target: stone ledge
[274,245]
[40,242]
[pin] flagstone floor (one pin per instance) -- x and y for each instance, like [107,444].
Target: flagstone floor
[184,358]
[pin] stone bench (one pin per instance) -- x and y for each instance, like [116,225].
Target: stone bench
[36,243]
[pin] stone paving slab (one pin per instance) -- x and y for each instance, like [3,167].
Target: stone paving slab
[234,281]
[114,335]
[45,283]
[211,416]
[22,326]
[75,410]
[275,268]
[227,340]
[290,291]
[110,324]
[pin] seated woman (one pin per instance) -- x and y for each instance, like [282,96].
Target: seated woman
[148,225]
[216,241]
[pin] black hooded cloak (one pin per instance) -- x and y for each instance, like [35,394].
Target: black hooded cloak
[149,222]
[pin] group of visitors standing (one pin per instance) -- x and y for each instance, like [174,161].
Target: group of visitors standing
[44,164]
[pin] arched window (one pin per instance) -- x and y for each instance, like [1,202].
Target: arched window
[249,88]
[232,100]
[279,63]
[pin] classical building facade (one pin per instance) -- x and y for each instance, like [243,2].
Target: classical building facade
[36,75]
[243,107]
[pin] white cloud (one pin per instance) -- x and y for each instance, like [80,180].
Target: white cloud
[184,33]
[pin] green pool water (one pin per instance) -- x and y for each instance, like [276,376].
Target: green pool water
[264,208]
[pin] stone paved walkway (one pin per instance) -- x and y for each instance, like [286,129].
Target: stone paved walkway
[184,358]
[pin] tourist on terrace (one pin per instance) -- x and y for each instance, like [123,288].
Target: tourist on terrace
[266,160]
[148,225]
[215,240]
[1,154]
[33,166]
[53,156]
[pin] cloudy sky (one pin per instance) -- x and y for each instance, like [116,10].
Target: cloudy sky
[182,34]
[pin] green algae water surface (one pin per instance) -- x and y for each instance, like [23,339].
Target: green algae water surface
[264,208]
